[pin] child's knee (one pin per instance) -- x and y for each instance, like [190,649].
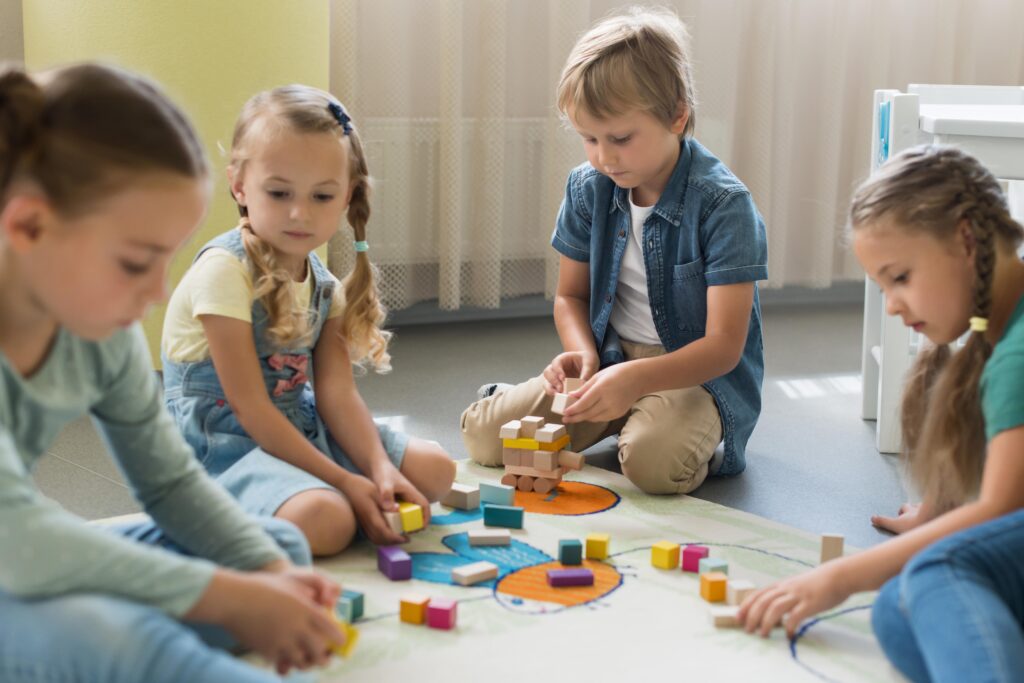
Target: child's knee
[439,468]
[289,538]
[325,518]
[654,470]
[480,437]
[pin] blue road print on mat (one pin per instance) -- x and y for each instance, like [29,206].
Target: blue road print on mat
[437,567]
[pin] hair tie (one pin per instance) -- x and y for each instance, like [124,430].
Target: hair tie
[362,245]
[341,116]
[979,324]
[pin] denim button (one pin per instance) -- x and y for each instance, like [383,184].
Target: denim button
[650,244]
[608,298]
[622,233]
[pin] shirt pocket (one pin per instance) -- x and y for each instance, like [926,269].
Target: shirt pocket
[689,299]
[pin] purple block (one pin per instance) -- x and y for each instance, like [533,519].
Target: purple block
[394,563]
[692,555]
[570,577]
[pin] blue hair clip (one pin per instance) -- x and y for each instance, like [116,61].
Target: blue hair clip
[362,245]
[341,116]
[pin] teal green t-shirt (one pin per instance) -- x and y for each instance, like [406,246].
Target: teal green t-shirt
[1002,380]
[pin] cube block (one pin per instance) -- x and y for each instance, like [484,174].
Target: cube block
[545,460]
[570,551]
[597,546]
[510,430]
[738,590]
[831,546]
[529,426]
[692,555]
[665,555]
[412,516]
[413,608]
[350,605]
[394,563]
[725,616]
[394,520]
[713,586]
[351,637]
[463,497]
[550,432]
[712,564]
[441,614]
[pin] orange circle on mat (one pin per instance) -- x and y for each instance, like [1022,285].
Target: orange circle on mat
[531,583]
[574,498]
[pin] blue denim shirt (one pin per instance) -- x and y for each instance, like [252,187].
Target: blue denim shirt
[704,231]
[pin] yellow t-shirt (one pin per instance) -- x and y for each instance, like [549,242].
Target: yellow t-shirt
[218,283]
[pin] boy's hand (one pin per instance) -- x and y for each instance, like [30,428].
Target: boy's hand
[391,483]
[792,601]
[365,499]
[607,396]
[320,588]
[909,517]
[582,364]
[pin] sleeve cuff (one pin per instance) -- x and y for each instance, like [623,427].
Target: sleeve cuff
[566,249]
[731,276]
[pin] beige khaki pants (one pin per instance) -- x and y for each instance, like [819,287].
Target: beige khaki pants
[665,440]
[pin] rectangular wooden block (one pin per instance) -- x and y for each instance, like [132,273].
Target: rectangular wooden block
[737,591]
[510,430]
[665,555]
[441,613]
[692,555]
[831,546]
[469,574]
[529,426]
[713,586]
[570,577]
[351,637]
[498,494]
[597,546]
[570,460]
[394,563]
[462,496]
[712,564]
[545,460]
[413,608]
[571,384]
[725,616]
[512,456]
[560,403]
[550,432]
[507,516]
[570,551]
[534,472]
[412,516]
[394,520]
[555,446]
[490,537]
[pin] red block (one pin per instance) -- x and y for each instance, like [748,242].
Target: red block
[441,613]
[692,555]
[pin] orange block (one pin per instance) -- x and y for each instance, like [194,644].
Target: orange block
[713,586]
[413,608]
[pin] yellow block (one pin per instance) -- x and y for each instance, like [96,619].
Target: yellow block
[713,586]
[597,546]
[413,608]
[665,555]
[192,47]
[351,635]
[412,516]
[534,445]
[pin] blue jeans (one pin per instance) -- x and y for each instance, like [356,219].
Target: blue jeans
[956,612]
[93,638]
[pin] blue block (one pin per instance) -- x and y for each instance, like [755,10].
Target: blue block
[570,551]
[350,605]
[712,564]
[497,494]
[507,516]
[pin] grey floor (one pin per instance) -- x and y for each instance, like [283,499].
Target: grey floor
[811,461]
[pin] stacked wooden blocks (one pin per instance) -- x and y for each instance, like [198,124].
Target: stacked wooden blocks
[534,455]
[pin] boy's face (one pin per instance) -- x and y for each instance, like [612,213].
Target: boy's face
[636,150]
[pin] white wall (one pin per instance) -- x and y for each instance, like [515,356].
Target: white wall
[11,45]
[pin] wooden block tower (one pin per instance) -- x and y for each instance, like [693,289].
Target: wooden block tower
[534,454]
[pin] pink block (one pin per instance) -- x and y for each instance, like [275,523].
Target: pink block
[441,613]
[692,555]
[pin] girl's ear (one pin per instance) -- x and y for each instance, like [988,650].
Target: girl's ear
[25,219]
[235,183]
[966,242]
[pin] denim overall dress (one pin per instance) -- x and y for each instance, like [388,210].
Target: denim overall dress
[196,400]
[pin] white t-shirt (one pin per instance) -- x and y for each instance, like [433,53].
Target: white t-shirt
[631,314]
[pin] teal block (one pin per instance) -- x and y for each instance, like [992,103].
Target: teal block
[712,564]
[350,605]
[507,516]
[497,494]
[570,551]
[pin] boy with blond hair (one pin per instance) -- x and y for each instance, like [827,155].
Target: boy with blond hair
[661,249]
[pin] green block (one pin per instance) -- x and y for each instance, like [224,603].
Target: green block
[350,605]
[508,516]
[712,564]
[570,551]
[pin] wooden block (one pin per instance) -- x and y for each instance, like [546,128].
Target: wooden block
[665,555]
[441,614]
[597,546]
[570,551]
[534,472]
[412,516]
[394,520]
[413,608]
[713,586]
[737,591]
[490,537]
[545,460]
[550,432]
[560,403]
[463,497]
[712,564]
[570,577]
[570,460]
[512,456]
[509,479]
[498,494]
[351,637]
[692,555]
[542,485]
[525,483]
[571,384]
[725,616]
[534,445]
[831,546]
[469,574]
[507,516]
[510,430]
[555,446]
[394,563]
[350,605]
[529,426]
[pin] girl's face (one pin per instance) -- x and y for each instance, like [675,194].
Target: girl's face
[100,271]
[296,189]
[928,282]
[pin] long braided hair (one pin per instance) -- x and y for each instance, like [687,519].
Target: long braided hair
[935,189]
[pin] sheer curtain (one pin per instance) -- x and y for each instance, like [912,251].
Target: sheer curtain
[455,102]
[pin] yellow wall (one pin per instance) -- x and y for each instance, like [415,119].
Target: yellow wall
[210,56]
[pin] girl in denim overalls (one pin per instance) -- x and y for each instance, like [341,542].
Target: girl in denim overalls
[260,338]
